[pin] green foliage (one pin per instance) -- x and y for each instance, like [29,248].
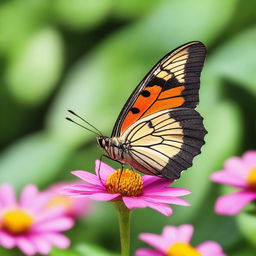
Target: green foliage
[88,56]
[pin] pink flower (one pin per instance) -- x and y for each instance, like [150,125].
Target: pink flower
[74,207]
[135,190]
[176,241]
[28,225]
[238,172]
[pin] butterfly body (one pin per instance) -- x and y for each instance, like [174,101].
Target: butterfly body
[158,131]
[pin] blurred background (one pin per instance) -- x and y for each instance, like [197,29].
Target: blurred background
[88,56]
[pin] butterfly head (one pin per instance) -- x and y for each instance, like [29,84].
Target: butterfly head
[103,141]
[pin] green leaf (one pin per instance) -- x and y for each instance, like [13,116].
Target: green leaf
[93,250]
[35,159]
[18,20]
[67,252]
[236,60]
[80,14]
[33,72]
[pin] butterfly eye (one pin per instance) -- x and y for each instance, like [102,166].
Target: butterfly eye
[145,93]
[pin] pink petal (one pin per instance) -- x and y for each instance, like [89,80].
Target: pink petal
[103,196]
[229,178]
[237,166]
[7,196]
[26,246]
[28,195]
[57,240]
[185,233]
[103,170]
[233,203]
[250,158]
[170,235]
[140,202]
[169,192]
[74,190]
[50,213]
[55,225]
[42,245]
[6,240]
[167,200]
[155,241]
[210,248]
[40,202]
[152,183]
[88,177]
[148,252]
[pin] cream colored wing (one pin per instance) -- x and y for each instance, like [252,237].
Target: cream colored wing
[166,142]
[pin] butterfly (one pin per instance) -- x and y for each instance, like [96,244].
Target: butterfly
[158,131]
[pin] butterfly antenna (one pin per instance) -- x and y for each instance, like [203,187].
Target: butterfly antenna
[75,114]
[69,119]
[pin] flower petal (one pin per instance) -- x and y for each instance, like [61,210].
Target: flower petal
[88,177]
[229,178]
[237,166]
[148,252]
[26,246]
[185,233]
[28,195]
[140,202]
[58,240]
[167,200]
[42,245]
[170,235]
[55,225]
[6,240]
[250,158]
[210,248]
[155,241]
[103,196]
[103,170]
[169,192]
[7,196]
[233,203]
[152,183]
[50,213]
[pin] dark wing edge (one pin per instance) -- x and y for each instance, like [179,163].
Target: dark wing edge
[194,133]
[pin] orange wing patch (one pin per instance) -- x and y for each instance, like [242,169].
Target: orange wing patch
[164,104]
[146,98]
[171,92]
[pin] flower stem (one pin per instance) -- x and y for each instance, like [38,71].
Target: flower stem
[124,215]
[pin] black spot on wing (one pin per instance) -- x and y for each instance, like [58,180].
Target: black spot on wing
[135,110]
[145,93]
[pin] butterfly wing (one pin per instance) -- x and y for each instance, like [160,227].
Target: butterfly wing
[172,83]
[166,142]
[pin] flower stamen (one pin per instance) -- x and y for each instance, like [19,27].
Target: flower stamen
[126,182]
[16,221]
[251,179]
[182,249]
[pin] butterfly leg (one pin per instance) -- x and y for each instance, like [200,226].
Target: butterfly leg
[101,157]
[121,173]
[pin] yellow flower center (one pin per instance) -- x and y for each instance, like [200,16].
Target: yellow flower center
[64,201]
[182,249]
[16,221]
[251,179]
[126,182]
